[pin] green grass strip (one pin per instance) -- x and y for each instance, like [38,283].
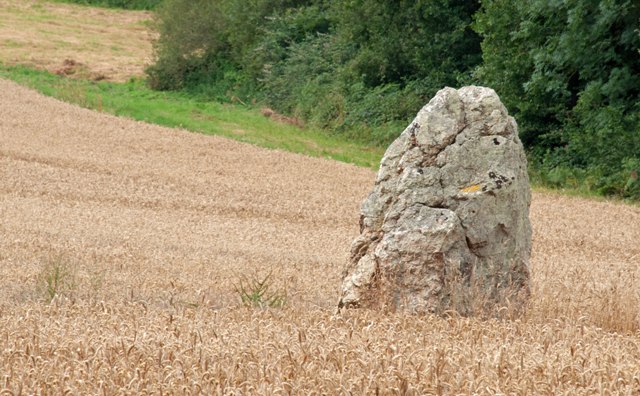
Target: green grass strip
[174,109]
[123,4]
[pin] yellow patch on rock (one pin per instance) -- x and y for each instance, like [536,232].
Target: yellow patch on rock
[471,189]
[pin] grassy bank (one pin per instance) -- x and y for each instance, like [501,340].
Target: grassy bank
[124,4]
[240,122]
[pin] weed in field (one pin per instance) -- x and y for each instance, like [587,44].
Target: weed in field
[56,278]
[257,292]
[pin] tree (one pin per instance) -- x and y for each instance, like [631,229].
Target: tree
[402,41]
[569,70]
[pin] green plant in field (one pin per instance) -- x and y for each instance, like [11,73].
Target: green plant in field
[56,278]
[257,292]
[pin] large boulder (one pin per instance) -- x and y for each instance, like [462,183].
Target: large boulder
[446,226]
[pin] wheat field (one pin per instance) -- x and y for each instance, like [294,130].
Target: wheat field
[125,249]
[136,259]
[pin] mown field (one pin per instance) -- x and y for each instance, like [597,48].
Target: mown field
[126,250]
[92,43]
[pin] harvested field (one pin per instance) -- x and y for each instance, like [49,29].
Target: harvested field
[84,42]
[122,246]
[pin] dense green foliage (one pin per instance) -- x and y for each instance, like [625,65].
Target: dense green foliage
[568,70]
[570,73]
[126,4]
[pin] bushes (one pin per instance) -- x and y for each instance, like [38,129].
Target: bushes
[192,41]
[368,73]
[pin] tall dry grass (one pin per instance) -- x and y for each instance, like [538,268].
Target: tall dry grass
[186,330]
[115,348]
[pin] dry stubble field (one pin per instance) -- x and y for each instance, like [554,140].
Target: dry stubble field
[152,229]
[87,42]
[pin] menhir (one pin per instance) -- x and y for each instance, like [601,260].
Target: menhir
[446,227]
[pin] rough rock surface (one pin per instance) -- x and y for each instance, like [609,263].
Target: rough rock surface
[446,226]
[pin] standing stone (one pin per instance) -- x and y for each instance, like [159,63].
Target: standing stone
[446,226]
